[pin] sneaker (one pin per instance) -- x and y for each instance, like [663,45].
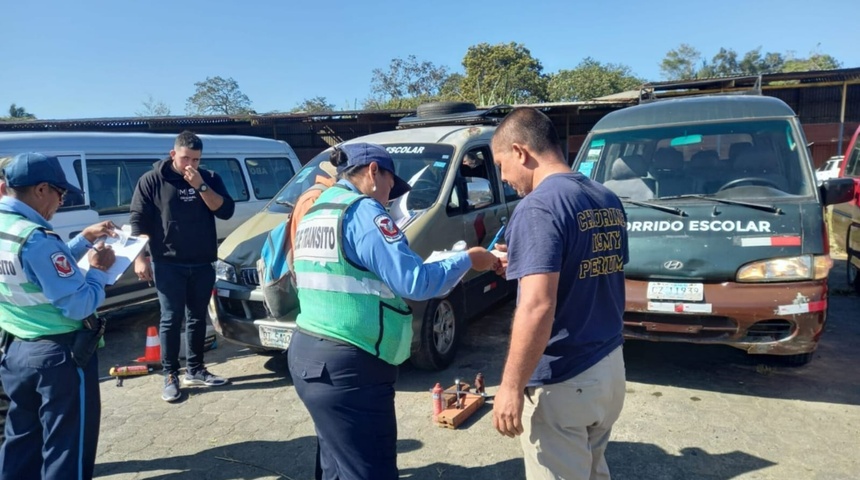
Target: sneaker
[203,377]
[170,392]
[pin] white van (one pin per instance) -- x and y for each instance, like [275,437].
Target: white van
[107,166]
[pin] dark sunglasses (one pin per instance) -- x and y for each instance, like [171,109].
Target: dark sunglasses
[61,191]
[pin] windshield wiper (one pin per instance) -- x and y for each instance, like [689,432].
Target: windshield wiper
[757,206]
[663,208]
[286,203]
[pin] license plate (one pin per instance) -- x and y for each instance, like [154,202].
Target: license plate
[275,336]
[676,291]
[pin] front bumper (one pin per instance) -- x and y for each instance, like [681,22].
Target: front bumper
[237,311]
[763,318]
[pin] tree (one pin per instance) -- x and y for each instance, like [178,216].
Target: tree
[503,73]
[816,61]
[21,113]
[680,63]
[405,81]
[313,105]
[754,63]
[591,79]
[153,108]
[217,96]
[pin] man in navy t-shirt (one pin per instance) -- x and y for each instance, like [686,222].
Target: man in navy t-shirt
[567,246]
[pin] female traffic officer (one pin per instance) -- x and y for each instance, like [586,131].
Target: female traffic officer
[353,269]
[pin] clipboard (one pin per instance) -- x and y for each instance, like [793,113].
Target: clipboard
[125,247]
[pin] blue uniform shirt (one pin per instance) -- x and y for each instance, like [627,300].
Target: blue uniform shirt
[76,295]
[372,241]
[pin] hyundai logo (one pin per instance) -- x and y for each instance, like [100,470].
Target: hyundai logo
[673,265]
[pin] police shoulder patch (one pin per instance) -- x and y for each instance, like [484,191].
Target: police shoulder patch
[388,228]
[62,265]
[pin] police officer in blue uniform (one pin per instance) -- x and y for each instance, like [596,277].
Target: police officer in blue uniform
[353,269]
[48,367]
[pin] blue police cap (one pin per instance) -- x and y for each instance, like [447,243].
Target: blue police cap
[28,169]
[360,154]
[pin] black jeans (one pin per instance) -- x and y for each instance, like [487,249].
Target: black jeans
[183,292]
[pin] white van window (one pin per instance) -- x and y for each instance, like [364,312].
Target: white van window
[231,174]
[268,175]
[111,182]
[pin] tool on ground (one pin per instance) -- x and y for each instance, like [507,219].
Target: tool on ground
[479,384]
[460,404]
[129,371]
[437,401]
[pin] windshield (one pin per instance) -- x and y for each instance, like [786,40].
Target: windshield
[422,165]
[749,159]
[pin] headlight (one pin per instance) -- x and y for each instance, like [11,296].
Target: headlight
[225,271]
[803,267]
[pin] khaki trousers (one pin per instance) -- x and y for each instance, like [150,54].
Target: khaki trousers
[567,424]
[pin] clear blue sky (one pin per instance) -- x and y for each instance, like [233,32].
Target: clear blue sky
[86,59]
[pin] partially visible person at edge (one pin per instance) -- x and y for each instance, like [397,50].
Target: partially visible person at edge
[175,204]
[46,309]
[4,399]
[563,383]
[353,269]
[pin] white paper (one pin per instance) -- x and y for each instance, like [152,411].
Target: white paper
[125,247]
[438,256]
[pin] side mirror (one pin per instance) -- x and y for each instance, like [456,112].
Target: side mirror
[479,192]
[836,190]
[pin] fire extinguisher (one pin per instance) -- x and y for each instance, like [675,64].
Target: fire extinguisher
[437,401]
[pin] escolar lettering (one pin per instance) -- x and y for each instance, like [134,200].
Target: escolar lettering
[408,150]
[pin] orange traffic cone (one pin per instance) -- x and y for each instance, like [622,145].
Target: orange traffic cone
[152,353]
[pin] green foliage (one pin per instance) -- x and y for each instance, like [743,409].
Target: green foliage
[816,61]
[153,108]
[591,79]
[682,63]
[406,84]
[19,113]
[503,73]
[217,96]
[314,105]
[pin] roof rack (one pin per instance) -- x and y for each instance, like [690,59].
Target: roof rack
[750,85]
[489,116]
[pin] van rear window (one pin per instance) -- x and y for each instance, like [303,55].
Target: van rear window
[268,175]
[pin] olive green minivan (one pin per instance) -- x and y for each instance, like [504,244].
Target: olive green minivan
[457,194]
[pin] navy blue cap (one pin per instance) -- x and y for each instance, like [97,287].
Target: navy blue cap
[28,169]
[360,154]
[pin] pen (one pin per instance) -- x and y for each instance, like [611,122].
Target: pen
[497,237]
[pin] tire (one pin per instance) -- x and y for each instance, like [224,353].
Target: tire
[442,328]
[436,109]
[798,360]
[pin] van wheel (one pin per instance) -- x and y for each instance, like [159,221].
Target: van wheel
[435,109]
[798,360]
[441,331]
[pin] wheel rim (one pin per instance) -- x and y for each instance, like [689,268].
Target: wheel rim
[444,327]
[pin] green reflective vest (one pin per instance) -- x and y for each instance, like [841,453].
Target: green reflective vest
[24,310]
[339,299]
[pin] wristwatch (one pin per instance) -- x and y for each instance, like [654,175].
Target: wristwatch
[203,187]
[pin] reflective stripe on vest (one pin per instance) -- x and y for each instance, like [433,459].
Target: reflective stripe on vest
[344,284]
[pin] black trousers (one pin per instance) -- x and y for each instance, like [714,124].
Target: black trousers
[350,396]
